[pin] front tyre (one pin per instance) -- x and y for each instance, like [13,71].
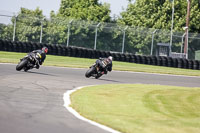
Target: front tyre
[21,65]
[89,72]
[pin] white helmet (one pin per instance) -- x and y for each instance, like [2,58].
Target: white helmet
[110,58]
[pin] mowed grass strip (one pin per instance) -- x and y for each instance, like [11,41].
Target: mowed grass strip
[64,61]
[137,108]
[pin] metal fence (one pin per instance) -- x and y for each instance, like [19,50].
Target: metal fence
[95,35]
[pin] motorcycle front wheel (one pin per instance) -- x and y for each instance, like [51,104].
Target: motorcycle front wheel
[21,65]
[90,72]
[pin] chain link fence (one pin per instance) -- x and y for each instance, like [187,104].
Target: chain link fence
[100,36]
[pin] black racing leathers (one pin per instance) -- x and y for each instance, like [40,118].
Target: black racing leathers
[105,64]
[40,55]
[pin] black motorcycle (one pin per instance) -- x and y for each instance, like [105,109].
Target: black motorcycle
[94,71]
[28,62]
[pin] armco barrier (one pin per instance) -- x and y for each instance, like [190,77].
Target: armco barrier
[195,64]
[154,60]
[185,62]
[138,59]
[180,63]
[143,60]
[164,61]
[169,62]
[149,60]
[159,61]
[61,50]
[79,52]
[198,66]
[115,56]
[98,53]
[174,62]
[132,58]
[20,47]
[190,64]
[128,58]
[1,45]
[122,57]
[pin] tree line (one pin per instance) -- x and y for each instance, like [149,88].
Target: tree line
[87,18]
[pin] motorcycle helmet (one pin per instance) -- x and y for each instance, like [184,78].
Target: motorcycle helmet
[110,58]
[45,49]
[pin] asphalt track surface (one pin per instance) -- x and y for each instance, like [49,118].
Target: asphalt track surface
[32,102]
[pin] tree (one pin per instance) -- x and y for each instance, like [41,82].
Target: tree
[86,14]
[6,31]
[85,9]
[55,29]
[28,25]
[157,14]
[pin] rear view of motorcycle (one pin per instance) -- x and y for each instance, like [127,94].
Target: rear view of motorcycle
[100,67]
[94,71]
[28,62]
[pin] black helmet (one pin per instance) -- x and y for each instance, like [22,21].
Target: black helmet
[45,49]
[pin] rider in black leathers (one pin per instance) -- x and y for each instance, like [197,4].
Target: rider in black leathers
[105,65]
[40,56]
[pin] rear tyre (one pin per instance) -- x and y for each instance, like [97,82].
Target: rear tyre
[89,72]
[21,64]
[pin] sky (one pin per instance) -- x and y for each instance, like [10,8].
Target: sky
[9,7]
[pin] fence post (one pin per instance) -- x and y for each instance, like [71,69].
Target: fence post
[95,42]
[124,39]
[182,42]
[152,41]
[187,43]
[172,25]
[68,32]
[41,30]
[14,28]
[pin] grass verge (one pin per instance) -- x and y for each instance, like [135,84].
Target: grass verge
[141,108]
[64,61]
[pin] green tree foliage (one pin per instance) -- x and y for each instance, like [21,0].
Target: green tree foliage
[85,9]
[81,17]
[90,12]
[28,25]
[6,31]
[55,30]
[157,14]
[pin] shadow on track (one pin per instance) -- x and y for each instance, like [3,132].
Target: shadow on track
[40,73]
[108,80]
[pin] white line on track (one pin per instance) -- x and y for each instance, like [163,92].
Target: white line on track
[162,74]
[67,102]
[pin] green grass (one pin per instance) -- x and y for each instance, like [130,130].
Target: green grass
[141,108]
[64,61]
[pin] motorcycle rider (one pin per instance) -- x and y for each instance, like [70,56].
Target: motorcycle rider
[40,56]
[105,65]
